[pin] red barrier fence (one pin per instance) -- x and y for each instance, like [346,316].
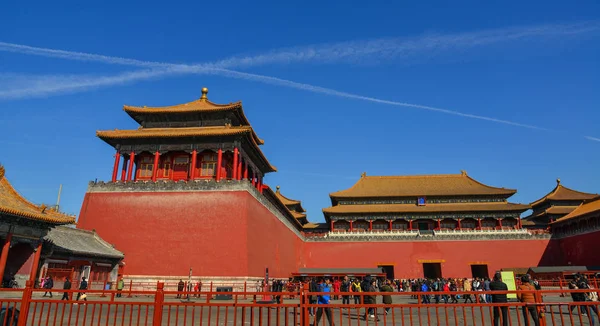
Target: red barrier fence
[162,307]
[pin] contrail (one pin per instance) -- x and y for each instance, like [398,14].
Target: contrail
[44,87]
[52,84]
[342,51]
[592,138]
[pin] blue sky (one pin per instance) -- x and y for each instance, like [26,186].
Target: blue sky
[532,65]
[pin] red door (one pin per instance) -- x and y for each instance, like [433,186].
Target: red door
[181,167]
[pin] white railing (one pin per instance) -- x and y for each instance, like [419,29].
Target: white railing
[373,233]
[406,233]
[484,231]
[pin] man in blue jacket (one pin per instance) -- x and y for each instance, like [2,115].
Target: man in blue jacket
[324,300]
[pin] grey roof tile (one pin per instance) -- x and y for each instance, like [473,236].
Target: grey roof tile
[81,242]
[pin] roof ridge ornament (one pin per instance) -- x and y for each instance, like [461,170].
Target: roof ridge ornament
[2,171]
[558,182]
[463,172]
[204,92]
[364,174]
[277,187]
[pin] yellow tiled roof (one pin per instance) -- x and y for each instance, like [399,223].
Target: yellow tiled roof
[556,210]
[429,208]
[561,192]
[419,185]
[179,132]
[592,206]
[12,203]
[200,105]
[289,202]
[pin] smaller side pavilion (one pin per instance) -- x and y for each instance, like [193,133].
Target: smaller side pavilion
[76,253]
[553,206]
[293,206]
[23,226]
[584,218]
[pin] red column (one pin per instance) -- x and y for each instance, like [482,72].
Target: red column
[124,169]
[479,223]
[36,261]
[439,225]
[351,222]
[194,163]
[253,178]
[519,225]
[331,226]
[260,185]
[116,166]
[459,227]
[219,163]
[500,223]
[370,225]
[410,225]
[390,225]
[234,167]
[155,166]
[4,255]
[239,174]
[130,170]
[246,171]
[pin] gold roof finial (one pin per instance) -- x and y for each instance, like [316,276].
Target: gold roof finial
[277,188]
[364,174]
[557,182]
[463,172]
[204,92]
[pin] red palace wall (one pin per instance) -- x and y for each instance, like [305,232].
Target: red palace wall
[232,234]
[408,257]
[581,250]
[217,233]
[167,233]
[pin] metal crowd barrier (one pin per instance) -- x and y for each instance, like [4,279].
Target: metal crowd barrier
[28,306]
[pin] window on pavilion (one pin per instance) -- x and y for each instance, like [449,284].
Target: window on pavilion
[166,167]
[448,224]
[209,165]
[146,167]
[489,223]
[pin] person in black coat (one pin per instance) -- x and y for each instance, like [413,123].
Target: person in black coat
[498,285]
[82,286]
[66,286]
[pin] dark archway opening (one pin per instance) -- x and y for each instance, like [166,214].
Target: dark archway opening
[479,271]
[432,270]
[388,270]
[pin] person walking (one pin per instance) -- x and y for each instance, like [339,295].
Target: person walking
[82,287]
[370,299]
[66,287]
[120,287]
[467,288]
[528,297]
[356,288]
[498,285]
[323,302]
[387,299]
[180,287]
[48,285]
[345,287]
